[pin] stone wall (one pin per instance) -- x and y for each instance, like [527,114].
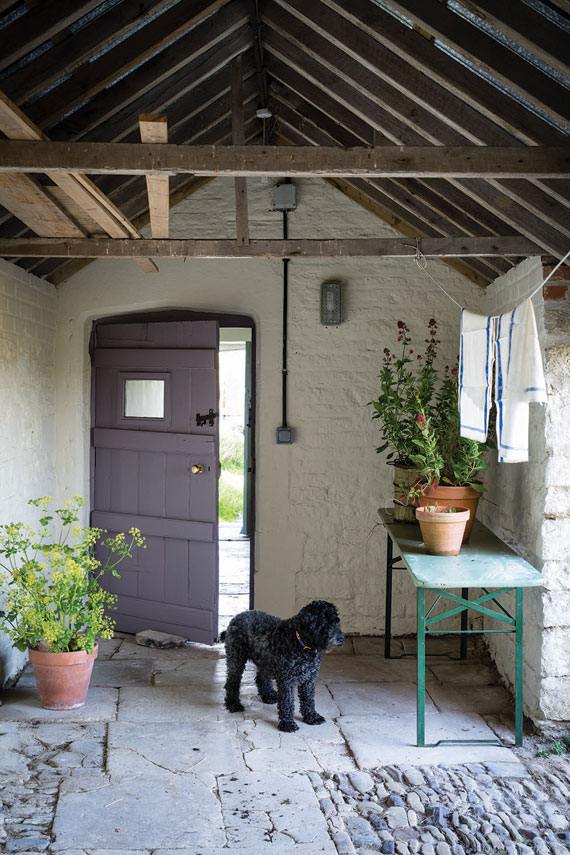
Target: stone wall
[316,499]
[27,411]
[527,504]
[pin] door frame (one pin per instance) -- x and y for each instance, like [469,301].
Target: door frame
[224,319]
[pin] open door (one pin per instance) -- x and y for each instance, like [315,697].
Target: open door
[155,466]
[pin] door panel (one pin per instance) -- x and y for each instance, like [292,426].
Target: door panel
[145,444]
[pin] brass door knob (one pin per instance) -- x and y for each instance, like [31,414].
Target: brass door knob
[198,468]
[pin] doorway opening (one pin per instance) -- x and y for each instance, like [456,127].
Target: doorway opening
[234,496]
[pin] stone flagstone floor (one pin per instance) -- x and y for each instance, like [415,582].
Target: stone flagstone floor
[154,764]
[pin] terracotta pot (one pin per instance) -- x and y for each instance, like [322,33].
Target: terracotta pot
[62,678]
[453,497]
[404,478]
[442,533]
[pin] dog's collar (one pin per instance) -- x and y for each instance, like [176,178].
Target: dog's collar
[302,643]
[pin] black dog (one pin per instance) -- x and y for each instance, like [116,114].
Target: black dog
[288,651]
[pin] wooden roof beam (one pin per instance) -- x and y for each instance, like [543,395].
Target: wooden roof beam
[26,200]
[154,129]
[17,126]
[238,138]
[301,161]
[190,248]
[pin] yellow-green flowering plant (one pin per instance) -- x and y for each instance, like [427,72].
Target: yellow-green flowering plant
[51,575]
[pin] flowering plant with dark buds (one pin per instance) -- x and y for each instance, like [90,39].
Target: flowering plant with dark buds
[405,378]
[418,414]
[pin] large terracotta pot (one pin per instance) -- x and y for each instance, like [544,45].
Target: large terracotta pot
[62,678]
[448,497]
[404,478]
[442,533]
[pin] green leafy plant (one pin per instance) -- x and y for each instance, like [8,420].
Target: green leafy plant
[404,378]
[557,748]
[441,455]
[52,579]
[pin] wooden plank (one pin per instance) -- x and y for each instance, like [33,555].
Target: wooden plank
[75,49]
[301,161]
[97,75]
[419,51]
[472,43]
[363,63]
[38,25]
[238,138]
[154,129]
[17,126]
[191,248]
[24,197]
[352,86]
[210,43]
[529,28]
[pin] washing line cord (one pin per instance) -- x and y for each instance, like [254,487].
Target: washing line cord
[422,264]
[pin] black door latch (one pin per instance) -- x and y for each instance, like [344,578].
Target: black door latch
[209,418]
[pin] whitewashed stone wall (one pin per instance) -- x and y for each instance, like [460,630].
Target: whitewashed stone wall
[27,408]
[316,499]
[528,504]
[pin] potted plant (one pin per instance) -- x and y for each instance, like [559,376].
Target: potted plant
[442,528]
[403,378]
[55,605]
[449,465]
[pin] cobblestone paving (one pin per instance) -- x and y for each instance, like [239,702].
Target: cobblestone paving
[449,811]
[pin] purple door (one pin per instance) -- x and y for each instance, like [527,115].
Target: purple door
[155,465]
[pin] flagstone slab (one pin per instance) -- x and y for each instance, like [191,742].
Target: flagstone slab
[261,848]
[378,741]
[269,807]
[362,669]
[24,705]
[108,647]
[172,704]
[179,811]
[206,749]
[465,673]
[201,673]
[388,699]
[485,700]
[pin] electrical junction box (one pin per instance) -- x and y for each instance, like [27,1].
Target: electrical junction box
[284,436]
[284,197]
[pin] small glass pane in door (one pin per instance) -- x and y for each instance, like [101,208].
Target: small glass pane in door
[144,399]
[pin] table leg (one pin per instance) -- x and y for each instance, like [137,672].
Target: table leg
[519,668]
[388,611]
[464,626]
[421,663]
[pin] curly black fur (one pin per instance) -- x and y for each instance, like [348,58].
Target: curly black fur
[287,651]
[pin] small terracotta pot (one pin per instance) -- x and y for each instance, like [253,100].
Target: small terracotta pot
[442,532]
[453,497]
[62,679]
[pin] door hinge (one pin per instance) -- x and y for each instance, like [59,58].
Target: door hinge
[209,418]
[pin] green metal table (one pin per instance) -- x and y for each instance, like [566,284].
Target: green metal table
[485,564]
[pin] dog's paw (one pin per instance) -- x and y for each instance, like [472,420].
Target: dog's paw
[269,698]
[314,719]
[235,707]
[288,726]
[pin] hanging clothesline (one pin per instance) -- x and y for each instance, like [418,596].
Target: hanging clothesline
[422,264]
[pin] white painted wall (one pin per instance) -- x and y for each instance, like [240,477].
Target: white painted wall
[27,406]
[527,504]
[317,499]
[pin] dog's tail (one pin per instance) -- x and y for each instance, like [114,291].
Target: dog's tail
[222,636]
